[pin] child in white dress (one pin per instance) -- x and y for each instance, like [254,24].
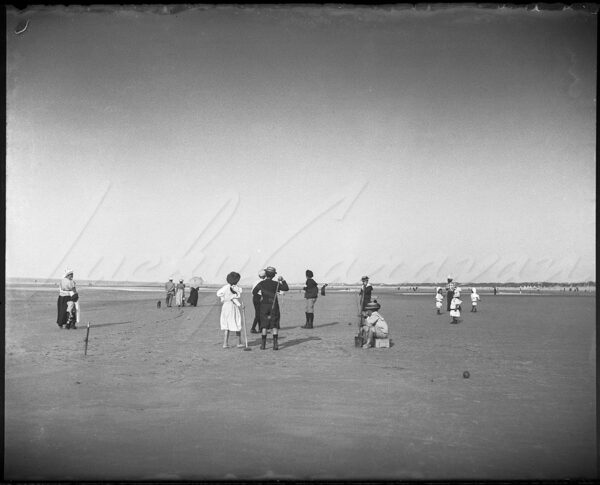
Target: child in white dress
[231,318]
[455,308]
[474,299]
[439,298]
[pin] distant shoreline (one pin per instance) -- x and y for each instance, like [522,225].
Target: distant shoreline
[41,282]
[294,289]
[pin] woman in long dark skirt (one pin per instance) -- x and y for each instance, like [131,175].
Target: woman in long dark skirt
[193,298]
[66,289]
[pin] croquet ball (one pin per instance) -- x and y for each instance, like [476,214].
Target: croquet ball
[466,374]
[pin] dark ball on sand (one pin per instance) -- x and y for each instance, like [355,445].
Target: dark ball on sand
[466,374]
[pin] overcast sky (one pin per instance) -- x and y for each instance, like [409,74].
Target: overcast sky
[405,144]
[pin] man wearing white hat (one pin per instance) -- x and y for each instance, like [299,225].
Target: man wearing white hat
[66,289]
[365,292]
[170,289]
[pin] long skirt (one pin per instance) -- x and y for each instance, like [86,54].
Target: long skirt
[193,298]
[61,306]
[269,319]
[179,298]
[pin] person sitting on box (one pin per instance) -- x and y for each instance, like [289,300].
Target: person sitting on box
[374,326]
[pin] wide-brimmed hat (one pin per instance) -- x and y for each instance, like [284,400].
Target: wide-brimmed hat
[364,278]
[373,305]
[233,278]
[270,271]
[68,272]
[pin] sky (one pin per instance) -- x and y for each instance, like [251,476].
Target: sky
[406,144]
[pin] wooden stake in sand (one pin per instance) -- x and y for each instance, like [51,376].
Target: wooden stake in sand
[87,338]
[244,326]
[359,304]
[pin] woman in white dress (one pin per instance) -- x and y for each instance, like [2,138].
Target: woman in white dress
[231,318]
[180,294]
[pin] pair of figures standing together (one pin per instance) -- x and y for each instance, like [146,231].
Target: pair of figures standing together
[265,294]
[67,304]
[311,293]
[176,291]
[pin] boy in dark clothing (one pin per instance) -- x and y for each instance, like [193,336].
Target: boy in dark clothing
[365,292]
[450,287]
[365,298]
[311,292]
[269,305]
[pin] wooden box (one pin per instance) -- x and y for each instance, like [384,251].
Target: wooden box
[382,343]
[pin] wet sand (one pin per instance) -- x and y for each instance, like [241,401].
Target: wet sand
[158,398]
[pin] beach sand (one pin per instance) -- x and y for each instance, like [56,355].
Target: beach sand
[158,398]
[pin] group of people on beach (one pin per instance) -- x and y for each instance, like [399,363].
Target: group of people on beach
[453,300]
[177,292]
[267,313]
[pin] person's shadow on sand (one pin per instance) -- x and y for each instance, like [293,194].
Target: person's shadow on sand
[108,324]
[327,324]
[297,341]
[316,326]
[283,343]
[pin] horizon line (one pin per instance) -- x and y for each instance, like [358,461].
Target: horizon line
[358,283]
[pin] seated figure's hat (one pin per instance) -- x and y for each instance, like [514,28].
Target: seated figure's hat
[373,305]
